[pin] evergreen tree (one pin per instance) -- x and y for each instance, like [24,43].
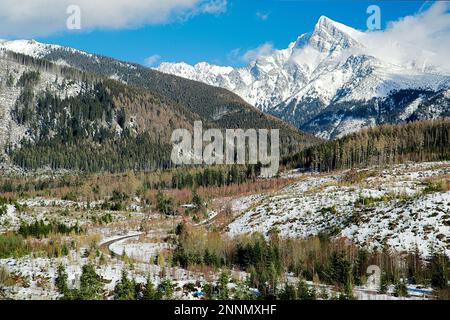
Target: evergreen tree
[439,268]
[288,292]
[383,283]
[348,290]
[164,204]
[197,200]
[223,286]
[149,292]
[61,280]
[125,288]
[91,285]
[339,270]
[208,289]
[242,292]
[400,289]
[166,288]
[360,266]
[304,292]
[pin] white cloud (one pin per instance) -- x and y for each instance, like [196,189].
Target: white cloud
[28,18]
[419,40]
[236,56]
[218,6]
[152,60]
[264,16]
[263,50]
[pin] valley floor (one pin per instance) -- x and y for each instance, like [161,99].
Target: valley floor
[405,207]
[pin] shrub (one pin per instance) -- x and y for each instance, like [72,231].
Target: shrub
[164,204]
[166,289]
[400,289]
[12,245]
[40,229]
[436,185]
[3,209]
[304,292]
[70,196]
[5,277]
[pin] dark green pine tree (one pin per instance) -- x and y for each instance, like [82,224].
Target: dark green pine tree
[166,289]
[125,289]
[304,293]
[383,283]
[61,280]
[288,292]
[439,268]
[149,292]
[224,279]
[91,285]
[400,289]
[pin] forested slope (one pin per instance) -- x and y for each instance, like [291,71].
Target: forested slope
[59,117]
[66,119]
[218,106]
[388,144]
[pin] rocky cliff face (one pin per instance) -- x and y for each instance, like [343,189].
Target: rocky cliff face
[330,82]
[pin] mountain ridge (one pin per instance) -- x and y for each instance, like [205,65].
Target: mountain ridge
[48,108]
[220,107]
[332,65]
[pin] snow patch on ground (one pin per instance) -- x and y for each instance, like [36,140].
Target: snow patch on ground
[401,213]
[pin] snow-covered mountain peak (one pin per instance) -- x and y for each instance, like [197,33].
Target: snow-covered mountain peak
[332,37]
[27,47]
[321,79]
[330,81]
[334,26]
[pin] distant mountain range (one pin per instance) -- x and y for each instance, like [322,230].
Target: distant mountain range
[331,82]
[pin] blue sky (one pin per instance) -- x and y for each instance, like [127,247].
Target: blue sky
[241,26]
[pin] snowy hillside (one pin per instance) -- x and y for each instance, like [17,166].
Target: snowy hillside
[334,65]
[404,206]
[11,132]
[36,49]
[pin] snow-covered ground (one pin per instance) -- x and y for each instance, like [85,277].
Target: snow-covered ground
[37,274]
[138,250]
[36,277]
[368,206]
[243,203]
[400,212]
[10,131]
[9,219]
[138,246]
[63,211]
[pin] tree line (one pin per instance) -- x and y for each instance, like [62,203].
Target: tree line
[77,133]
[388,144]
[320,259]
